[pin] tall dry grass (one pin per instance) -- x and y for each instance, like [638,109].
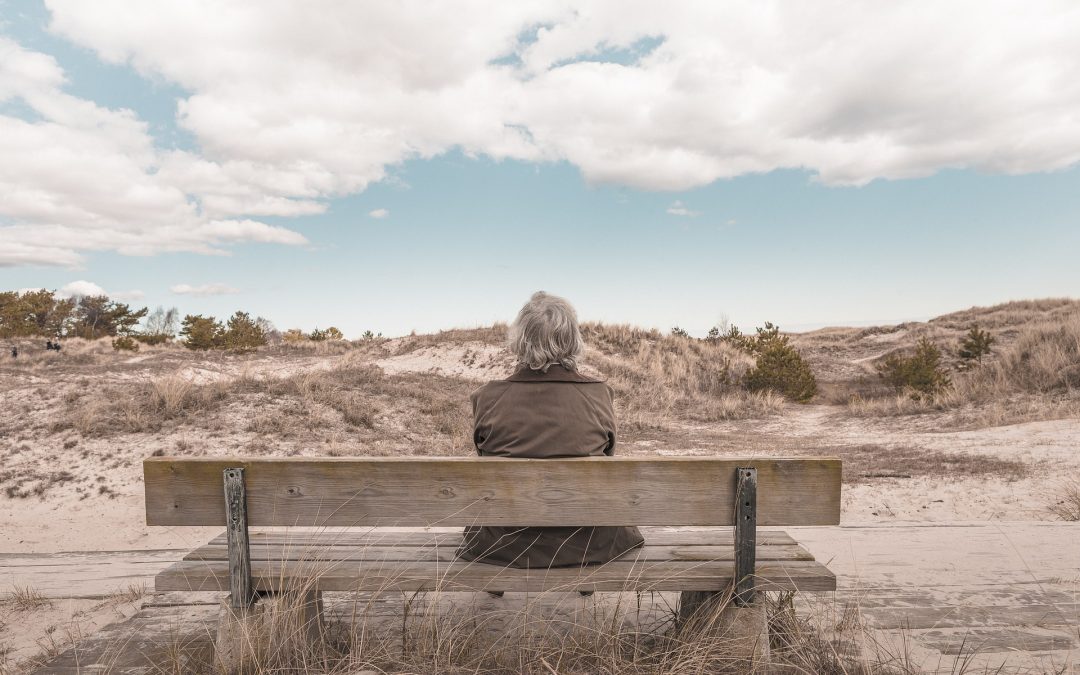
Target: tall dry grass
[550,632]
[659,376]
[1036,376]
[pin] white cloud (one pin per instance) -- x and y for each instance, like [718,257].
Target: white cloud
[379,213]
[203,290]
[85,178]
[679,209]
[291,107]
[83,287]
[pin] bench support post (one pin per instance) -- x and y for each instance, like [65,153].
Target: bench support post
[241,594]
[745,536]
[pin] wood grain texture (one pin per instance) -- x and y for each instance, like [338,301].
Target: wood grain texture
[459,491]
[374,536]
[775,575]
[238,553]
[448,553]
[745,535]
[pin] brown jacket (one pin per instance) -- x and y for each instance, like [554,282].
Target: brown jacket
[560,413]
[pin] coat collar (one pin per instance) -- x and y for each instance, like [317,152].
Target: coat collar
[555,373]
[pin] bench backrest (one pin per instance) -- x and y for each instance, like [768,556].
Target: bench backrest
[460,491]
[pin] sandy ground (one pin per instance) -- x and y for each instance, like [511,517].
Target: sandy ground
[101,506]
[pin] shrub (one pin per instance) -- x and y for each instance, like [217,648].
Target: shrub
[243,334]
[152,338]
[125,343]
[293,336]
[202,332]
[781,368]
[921,372]
[679,332]
[333,333]
[975,345]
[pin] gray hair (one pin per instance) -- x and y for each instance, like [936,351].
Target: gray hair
[546,332]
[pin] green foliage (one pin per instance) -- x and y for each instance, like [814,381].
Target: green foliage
[125,343]
[98,316]
[781,368]
[317,335]
[34,313]
[368,335]
[202,332]
[975,345]
[679,332]
[243,334]
[921,372]
[713,335]
[333,333]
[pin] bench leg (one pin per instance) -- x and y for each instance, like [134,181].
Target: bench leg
[744,629]
[311,615]
[239,635]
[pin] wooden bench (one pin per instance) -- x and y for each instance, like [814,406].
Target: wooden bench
[377,494]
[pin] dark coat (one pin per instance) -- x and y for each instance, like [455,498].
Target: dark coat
[560,413]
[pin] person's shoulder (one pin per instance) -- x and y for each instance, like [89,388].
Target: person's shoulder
[488,392]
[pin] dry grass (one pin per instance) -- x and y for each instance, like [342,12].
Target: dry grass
[26,599]
[1035,377]
[1066,504]
[551,633]
[657,376]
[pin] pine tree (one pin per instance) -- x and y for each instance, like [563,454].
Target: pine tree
[975,345]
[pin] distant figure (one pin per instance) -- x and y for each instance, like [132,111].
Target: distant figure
[56,346]
[546,409]
[48,345]
[14,351]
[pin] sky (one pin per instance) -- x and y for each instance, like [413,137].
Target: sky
[417,166]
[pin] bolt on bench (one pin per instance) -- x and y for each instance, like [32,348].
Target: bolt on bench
[377,493]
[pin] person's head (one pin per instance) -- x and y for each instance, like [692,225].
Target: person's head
[545,333]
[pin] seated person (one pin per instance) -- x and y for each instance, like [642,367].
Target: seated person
[546,409]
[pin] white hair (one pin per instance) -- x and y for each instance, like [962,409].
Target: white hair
[546,332]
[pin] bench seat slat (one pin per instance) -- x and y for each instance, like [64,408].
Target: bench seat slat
[719,536]
[774,575]
[447,553]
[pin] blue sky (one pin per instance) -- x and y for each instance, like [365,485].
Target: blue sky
[746,229]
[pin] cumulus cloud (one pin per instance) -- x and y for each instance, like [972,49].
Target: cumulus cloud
[291,107]
[379,213]
[679,209]
[80,177]
[203,290]
[82,287]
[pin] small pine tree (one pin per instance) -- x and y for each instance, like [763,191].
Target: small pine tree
[202,332]
[713,334]
[922,372]
[780,368]
[679,332]
[125,343]
[243,333]
[317,335]
[975,345]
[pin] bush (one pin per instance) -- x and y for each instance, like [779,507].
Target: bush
[243,333]
[125,343]
[782,369]
[975,345]
[921,372]
[679,332]
[152,338]
[202,332]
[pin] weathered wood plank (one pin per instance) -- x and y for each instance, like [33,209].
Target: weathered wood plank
[717,536]
[463,576]
[745,535]
[447,553]
[458,491]
[241,594]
